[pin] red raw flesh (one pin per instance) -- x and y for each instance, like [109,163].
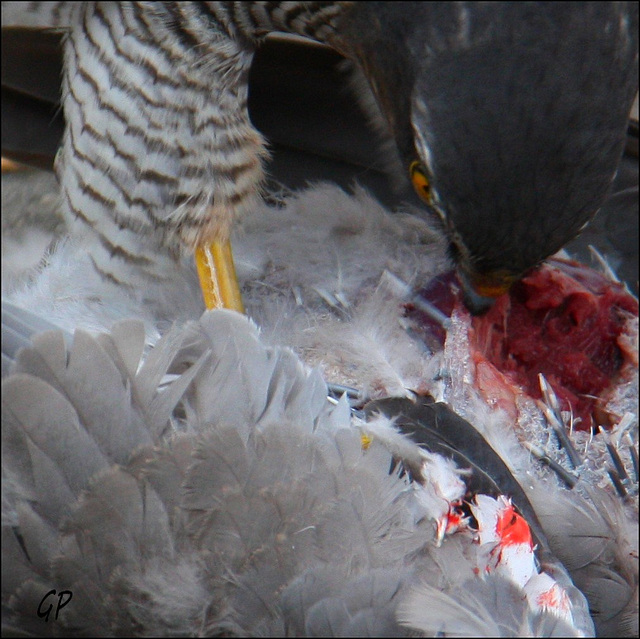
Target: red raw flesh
[563,320]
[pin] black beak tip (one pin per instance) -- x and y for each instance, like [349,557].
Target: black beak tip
[476,304]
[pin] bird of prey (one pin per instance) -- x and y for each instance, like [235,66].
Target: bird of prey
[150,514]
[509,119]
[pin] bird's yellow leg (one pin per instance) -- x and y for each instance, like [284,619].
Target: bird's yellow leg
[217,274]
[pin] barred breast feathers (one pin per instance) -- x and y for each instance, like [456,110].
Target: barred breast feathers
[159,151]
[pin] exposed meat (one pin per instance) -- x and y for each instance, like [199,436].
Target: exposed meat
[563,320]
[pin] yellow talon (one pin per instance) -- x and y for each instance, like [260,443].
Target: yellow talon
[218,279]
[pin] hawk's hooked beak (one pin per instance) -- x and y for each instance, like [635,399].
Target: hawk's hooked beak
[480,291]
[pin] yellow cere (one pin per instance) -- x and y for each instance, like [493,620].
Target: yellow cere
[493,284]
[420,182]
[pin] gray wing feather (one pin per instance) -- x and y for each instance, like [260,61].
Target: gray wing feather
[456,614]
[592,536]
[90,380]
[18,326]
[125,346]
[491,607]
[44,446]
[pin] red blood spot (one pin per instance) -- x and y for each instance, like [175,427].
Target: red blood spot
[456,518]
[512,529]
[552,599]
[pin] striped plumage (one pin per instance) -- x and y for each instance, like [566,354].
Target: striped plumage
[516,113]
[159,153]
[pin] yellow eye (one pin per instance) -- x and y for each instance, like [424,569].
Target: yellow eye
[420,182]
